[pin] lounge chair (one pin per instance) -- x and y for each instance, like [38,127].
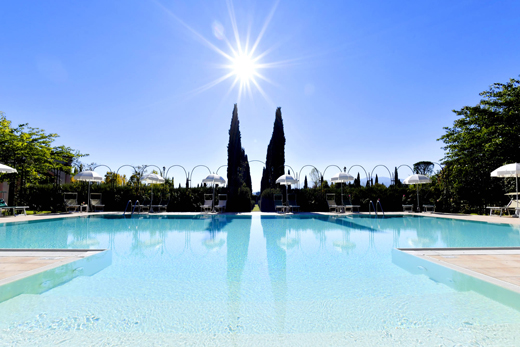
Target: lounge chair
[95,202]
[71,201]
[331,201]
[145,206]
[278,203]
[222,201]
[14,208]
[163,205]
[407,208]
[351,207]
[208,203]
[512,205]
[429,208]
[292,205]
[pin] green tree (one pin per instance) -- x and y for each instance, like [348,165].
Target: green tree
[483,138]
[31,152]
[423,168]
[397,182]
[238,173]
[315,178]
[275,158]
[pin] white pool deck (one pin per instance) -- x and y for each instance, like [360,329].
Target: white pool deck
[499,266]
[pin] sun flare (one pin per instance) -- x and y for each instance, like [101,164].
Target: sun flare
[243,63]
[244,67]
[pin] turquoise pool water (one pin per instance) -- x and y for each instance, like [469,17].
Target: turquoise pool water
[260,280]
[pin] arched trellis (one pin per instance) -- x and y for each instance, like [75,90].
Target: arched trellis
[304,166]
[366,174]
[122,166]
[145,166]
[407,166]
[109,170]
[330,166]
[375,167]
[167,170]
[284,165]
[191,174]
[220,167]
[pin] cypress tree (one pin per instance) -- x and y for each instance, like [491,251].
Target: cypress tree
[305,185]
[377,180]
[396,178]
[247,171]
[357,182]
[275,159]
[238,172]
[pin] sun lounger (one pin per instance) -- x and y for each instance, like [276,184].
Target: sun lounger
[331,201]
[429,208]
[71,201]
[222,201]
[407,208]
[14,209]
[95,202]
[278,204]
[352,208]
[163,205]
[208,203]
[293,206]
[512,205]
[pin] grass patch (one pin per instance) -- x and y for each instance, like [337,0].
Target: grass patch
[256,209]
[38,212]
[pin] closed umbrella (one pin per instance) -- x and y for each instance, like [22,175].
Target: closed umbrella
[88,176]
[286,180]
[342,177]
[417,179]
[214,179]
[152,179]
[509,170]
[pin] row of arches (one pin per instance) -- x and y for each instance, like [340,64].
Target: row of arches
[164,171]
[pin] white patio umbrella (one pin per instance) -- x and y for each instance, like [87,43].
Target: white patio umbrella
[88,176]
[342,177]
[286,180]
[7,169]
[417,179]
[214,179]
[509,170]
[152,179]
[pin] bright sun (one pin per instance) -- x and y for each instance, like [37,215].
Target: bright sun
[243,63]
[244,67]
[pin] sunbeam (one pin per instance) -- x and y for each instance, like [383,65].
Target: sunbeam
[242,63]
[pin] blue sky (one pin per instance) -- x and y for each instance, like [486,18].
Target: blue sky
[366,83]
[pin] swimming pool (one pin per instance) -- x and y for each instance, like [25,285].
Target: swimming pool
[255,280]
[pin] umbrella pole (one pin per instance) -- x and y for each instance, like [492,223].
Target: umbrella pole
[287,196]
[213,200]
[516,209]
[151,199]
[418,209]
[341,192]
[88,197]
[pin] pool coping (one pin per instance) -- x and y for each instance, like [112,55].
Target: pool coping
[487,253]
[476,218]
[66,265]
